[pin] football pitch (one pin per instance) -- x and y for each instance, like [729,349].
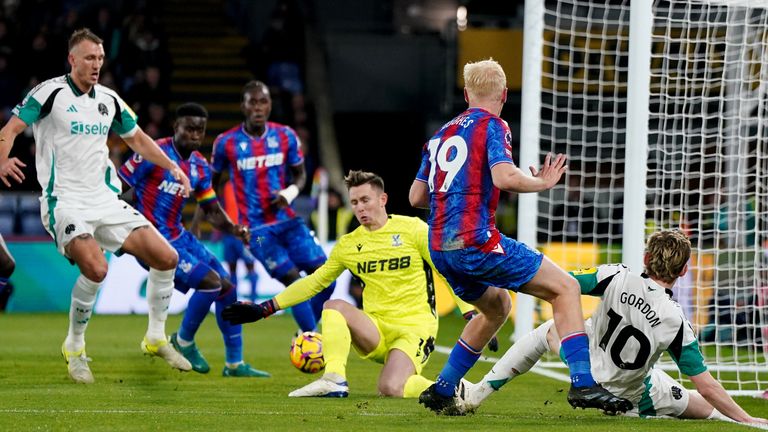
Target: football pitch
[133,392]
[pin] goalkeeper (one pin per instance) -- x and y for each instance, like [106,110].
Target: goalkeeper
[634,324]
[398,323]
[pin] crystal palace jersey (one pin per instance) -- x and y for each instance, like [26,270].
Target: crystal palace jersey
[393,264]
[71,130]
[158,194]
[259,169]
[634,324]
[456,165]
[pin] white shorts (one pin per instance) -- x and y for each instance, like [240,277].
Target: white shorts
[665,397]
[109,225]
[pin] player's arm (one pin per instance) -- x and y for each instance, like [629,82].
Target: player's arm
[285,197]
[510,178]
[418,196]
[217,217]
[709,388]
[143,145]
[11,167]
[595,280]
[295,293]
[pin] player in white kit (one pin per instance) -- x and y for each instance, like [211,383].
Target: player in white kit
[71,118]
[634,324]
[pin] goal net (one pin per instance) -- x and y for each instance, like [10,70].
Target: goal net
[661,108]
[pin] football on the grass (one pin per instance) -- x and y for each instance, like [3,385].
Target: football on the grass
[307,352]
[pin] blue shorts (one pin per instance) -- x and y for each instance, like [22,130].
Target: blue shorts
[506,264]
[234,249]
[195,261]
[283,246]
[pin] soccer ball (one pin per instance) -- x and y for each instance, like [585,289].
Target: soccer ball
[307,352]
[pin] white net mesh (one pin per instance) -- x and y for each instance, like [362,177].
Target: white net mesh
[707,158]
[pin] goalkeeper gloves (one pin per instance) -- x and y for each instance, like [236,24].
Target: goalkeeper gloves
[240,312]
[493,344]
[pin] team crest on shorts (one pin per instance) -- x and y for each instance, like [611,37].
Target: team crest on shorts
[396,241]
[677,393]
[103,109]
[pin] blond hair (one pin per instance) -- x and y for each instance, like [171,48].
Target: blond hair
[484,79]
[81,35]
[667,254]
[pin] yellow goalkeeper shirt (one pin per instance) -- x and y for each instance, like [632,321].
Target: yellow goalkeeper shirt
[394,266]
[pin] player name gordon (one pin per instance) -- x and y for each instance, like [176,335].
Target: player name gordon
[638,303]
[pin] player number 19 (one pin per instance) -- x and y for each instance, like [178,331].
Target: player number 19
[438,158]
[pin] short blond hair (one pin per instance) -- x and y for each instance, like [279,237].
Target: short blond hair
[668,252]
[484,79]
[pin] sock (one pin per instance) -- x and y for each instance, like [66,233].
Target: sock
[519,358]
[575,348]
[159,290]
[319,299]
[253,278]
[302,313]
[197,309]
[716,415]
[415,385]
[462,358]
[232,334]
[336,342]
[80,310]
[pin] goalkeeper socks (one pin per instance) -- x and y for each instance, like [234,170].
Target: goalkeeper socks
[336,342]
[304,317]
[159,290]
[80,310]
[232,334]
[197,309]
[415,385]
[253,279]
[462,358]
[575,349]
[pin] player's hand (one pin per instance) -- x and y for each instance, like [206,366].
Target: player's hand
[241,312]
[551,171]
[279,201]
[11,167]
[758,420]
[182,178]
[493,344]
[243,232]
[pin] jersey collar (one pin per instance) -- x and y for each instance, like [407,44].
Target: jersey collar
[653,286]
[76,91]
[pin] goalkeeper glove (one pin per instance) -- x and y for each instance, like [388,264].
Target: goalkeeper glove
[493,344]
[240,312]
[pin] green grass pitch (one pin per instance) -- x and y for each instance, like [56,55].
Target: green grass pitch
[133,392]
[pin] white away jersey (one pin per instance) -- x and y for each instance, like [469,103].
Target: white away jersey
[71,130]
[634,324]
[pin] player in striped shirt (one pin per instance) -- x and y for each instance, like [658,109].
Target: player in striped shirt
[71,117]
[635,323]
[157,198]
[463,167]
[266,166]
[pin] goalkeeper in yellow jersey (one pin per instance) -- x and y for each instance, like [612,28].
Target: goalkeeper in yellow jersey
[398,323]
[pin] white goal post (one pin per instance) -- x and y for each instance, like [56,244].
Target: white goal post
[661,107]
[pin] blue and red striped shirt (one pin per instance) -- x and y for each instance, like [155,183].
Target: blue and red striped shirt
[456,165]
[259,167]
[158,194]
